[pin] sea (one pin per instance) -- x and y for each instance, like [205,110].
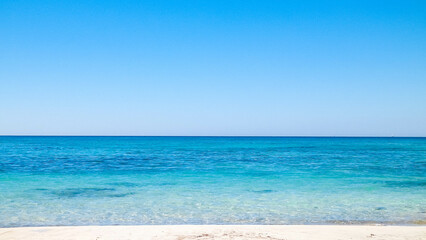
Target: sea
[67,181]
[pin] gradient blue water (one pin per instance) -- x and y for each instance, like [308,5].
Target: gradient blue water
[211,180]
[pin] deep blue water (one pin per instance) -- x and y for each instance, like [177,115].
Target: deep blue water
[211,180]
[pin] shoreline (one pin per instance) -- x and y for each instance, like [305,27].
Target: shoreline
[181,232]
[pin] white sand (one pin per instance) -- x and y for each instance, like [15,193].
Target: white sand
[288,232]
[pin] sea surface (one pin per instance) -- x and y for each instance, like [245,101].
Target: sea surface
[49,181]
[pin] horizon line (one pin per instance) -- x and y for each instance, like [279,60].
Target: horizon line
[283,136]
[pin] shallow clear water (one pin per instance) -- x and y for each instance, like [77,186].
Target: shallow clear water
[211,180]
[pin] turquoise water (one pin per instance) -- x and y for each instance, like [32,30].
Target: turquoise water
[48,181]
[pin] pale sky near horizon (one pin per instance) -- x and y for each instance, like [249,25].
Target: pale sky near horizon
[290,68]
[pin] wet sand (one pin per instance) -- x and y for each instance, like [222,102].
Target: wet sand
[181,232]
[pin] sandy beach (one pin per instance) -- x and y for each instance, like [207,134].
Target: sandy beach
[180,232]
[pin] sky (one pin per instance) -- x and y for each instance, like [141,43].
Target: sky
[214,68]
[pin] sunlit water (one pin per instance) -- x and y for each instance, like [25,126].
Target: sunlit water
[211,180]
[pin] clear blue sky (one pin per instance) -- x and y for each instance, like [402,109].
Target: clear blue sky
[213,67]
